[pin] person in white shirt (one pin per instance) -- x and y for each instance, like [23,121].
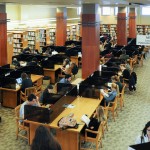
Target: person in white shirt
[32,100]
[145,137]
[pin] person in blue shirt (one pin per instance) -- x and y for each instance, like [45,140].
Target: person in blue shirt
[66,80]
[109,95]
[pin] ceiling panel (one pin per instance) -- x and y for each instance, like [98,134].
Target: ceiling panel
[77,2]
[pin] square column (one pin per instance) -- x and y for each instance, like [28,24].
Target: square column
[3,35]
[61,26]
[121,27]
[132,23]
[90,39]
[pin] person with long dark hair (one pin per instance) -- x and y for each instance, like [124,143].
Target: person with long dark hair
[145,137]
[44,140]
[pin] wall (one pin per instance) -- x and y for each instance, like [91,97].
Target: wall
[39,16]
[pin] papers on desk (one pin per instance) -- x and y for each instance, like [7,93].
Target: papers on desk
[68,105]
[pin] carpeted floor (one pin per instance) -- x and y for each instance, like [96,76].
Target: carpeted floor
[121,134]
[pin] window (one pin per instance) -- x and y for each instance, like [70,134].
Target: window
[78,10]
[145,11]
[106,11]
[116,11]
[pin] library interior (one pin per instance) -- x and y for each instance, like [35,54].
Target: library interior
[74,74]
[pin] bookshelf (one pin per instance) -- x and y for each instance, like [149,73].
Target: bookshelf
[9,47]
[108,29]
[33,39]
[51,36]
[143,29]
[68,34]
[20,41]
[73,32]
[42,35]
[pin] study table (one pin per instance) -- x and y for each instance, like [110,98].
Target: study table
[52,72]
[11,97]
[69,138]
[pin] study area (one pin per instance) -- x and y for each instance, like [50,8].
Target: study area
[108,44]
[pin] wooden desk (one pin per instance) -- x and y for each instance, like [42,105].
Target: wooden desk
[11,97]
[77,81]
[52,72]
[70,138]
[74,59]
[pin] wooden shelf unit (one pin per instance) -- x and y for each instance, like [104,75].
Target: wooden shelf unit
[143,29]
[9,47]
[51,36]
[42,35]
[33,39]
[20,41]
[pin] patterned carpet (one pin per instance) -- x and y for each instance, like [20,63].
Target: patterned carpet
[121,134]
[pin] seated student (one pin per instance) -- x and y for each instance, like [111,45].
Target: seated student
[115,79]
[36,51]
[26,50]
[32,100]
[48,51]
[48,97]
[26,82]
[123,56]
[109,96]
[66,66]
[44,140]
[145,137]
[95,121]
[16,63]
[66,80]
[34,62]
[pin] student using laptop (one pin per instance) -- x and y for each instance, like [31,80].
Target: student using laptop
[66,80]
[26,82]
[32,100]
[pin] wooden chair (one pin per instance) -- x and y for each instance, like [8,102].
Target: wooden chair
[97,140]
[121,97]
[112,106]
[105,125]
[28,91]
[20,125]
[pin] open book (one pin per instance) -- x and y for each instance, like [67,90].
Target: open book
[85,119]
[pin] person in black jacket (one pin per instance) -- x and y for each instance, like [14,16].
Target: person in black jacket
[96,120]
[34,62]
[26,82]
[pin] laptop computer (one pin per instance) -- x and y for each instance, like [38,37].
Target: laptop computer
[19,80]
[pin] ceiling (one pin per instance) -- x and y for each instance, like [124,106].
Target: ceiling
[73,3]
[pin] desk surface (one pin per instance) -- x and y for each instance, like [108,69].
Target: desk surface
[56,67]
[34,78]
[82,106]
[77,81]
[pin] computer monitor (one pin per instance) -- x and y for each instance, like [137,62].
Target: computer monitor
[37,114]
[19,80]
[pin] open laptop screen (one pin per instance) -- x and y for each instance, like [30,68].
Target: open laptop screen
[19,80]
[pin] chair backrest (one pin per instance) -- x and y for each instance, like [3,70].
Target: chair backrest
[114,104]
[30,90]
[100,132]
[122,92]
[17,111]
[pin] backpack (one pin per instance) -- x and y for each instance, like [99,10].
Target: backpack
[67,122]
[75,69]
[132,81]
